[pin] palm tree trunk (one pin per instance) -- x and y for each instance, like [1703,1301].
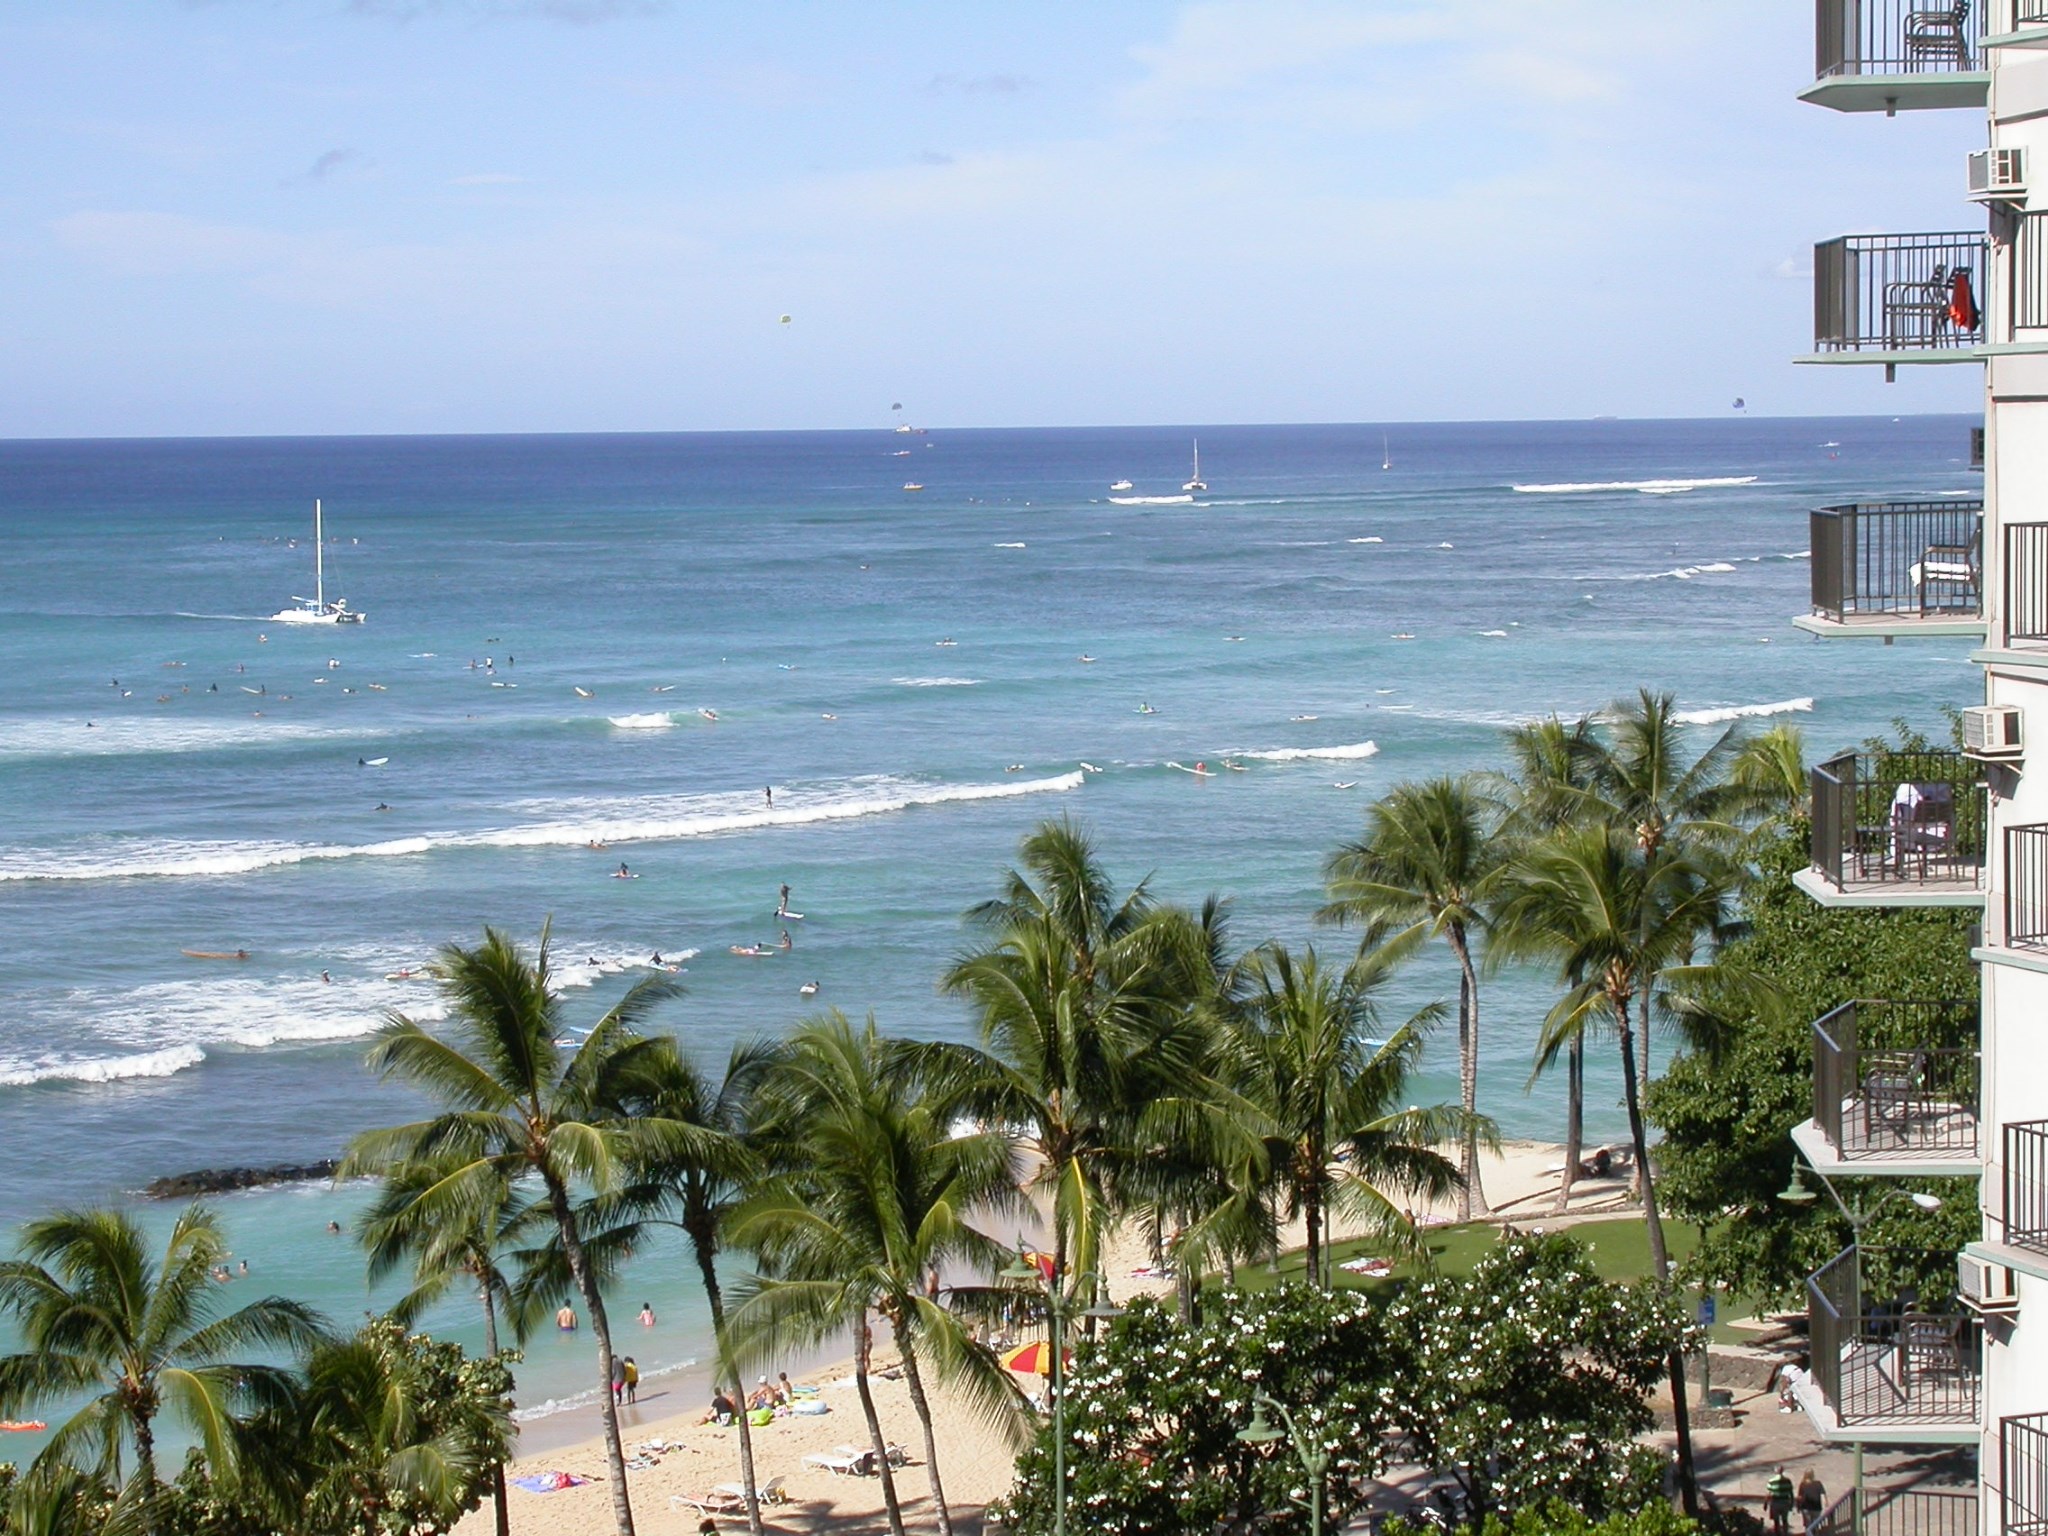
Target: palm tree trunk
[502,1516]
[1311,1217]
[862,1353]
[708,1273]
[1574,1120]
[1472,1198]
[145,1452]
[614,1450]
[915,1383]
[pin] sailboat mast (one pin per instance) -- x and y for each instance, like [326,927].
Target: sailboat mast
[319,560]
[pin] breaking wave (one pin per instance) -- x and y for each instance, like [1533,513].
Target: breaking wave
[1651,487]
[1742,711]
[1356,749]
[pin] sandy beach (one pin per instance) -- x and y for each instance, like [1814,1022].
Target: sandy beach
[975,1457]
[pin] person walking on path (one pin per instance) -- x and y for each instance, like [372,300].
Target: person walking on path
[1812,1501]
[1778,1501]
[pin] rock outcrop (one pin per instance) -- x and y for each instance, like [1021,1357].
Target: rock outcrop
[214,1181]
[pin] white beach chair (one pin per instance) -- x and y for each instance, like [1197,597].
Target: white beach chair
[770,1492]
[844,1462]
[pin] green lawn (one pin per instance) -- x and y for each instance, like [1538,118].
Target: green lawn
[1620,1249]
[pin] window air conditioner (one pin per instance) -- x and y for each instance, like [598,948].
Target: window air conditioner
[1986,1287]
[1991,730]
[1998,175]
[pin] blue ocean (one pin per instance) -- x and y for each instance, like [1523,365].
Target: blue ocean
[632,641]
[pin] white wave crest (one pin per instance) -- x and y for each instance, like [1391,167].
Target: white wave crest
[653,721]
[1741,711]
[936,682]
[589,1399]
[1652,487]
[101,1069]
[112,736]
[1685,572]
[1152,501]
[1356,749]
[654,819]
[1374,539]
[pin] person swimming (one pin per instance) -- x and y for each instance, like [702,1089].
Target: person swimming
[785,942]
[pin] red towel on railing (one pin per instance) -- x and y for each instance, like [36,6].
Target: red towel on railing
[1962,303]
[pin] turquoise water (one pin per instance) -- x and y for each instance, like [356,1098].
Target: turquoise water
[902,667]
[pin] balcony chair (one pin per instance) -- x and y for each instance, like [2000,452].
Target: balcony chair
[1923,828]
[1894,1090]
[1937,36]
[1930,1348]
[1946,577]
[1916,309]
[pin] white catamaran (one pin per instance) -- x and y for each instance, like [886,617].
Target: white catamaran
[319,610]
[1195,482]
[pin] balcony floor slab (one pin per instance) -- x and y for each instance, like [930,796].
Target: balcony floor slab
[1928,92]
[1873,1154]
[1890,626]
[1829,1426]
[1889,893]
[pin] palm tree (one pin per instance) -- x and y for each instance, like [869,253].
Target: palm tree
[691,1182]
[1087,1004]
[404,1222]
[1323,1099]
[1429,856]
[61,1500]
[517,1104]
[870,1204]
[1622,926]
[1771,771]
[100,1317]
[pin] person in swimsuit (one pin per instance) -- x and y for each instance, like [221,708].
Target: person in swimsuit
[565,1320]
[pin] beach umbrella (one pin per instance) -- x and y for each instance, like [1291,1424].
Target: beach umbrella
[1033,1359]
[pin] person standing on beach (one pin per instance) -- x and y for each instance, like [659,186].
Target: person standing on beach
[632,1372]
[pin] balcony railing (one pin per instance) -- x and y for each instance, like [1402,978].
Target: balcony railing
[1904,1361]
[1896,37]
[2023,1475]
[1901,1512]
[1899,293]
[2026,582]
[2026,887]
[2026,1185]
[1902,820]
[1897,1081]
[1898,559]
[2029,13]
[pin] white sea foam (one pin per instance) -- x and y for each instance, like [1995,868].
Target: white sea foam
[1375,539]
[113,736]
[1009,546]
[1741,711]
[1653,487]
[1685,572]
[589,1399]
[1356,749]
[652,721]
[100,1069]
[1152,501]
[660,818]
[936,682]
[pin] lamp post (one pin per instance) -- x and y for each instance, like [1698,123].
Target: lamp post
[1059,1307]
[1315,1461]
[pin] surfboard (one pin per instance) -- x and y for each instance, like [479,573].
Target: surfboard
[794,917]
[216,954]
[1200,773]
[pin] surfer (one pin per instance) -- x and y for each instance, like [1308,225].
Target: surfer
[808,989]
[655,959]
[1201,767]
[785,942]
[768,793]
[329,980]
[622,873]
[382,806]
[782,902]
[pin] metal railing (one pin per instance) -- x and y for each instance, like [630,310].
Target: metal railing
[2026,581]
[2026,887]
[1899,293]
[1898,819]
[2023,1474]
[1900,1362]
[1897,1079]
[2025,1182]
[2029,307]
[1907,1512]
[2029,12]
[1896,37]
[1919,559]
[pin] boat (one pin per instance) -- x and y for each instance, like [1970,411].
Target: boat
[912,485]
[319,610]
[1120,485]
[1195,482]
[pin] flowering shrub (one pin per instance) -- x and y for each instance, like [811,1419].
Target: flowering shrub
[1527,1381]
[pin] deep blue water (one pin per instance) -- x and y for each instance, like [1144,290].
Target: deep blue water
[902,667]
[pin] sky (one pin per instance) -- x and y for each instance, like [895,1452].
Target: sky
[227,217]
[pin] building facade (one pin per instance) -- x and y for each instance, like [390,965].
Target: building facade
[1924,1088]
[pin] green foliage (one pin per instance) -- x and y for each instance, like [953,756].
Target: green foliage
[1526,1380]
[1654,1517]
[1725,1113]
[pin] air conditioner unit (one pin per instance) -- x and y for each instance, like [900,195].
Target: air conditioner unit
[1998,175]
[1991,730]
[1986,1287]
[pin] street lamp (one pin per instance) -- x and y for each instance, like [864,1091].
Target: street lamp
[1315,1461]
[1059,1307]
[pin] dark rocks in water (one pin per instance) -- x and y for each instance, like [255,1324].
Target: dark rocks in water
[214,1181]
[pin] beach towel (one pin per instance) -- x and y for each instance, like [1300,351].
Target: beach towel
[548,1482]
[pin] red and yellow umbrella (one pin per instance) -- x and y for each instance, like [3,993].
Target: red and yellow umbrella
[1033,1359]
